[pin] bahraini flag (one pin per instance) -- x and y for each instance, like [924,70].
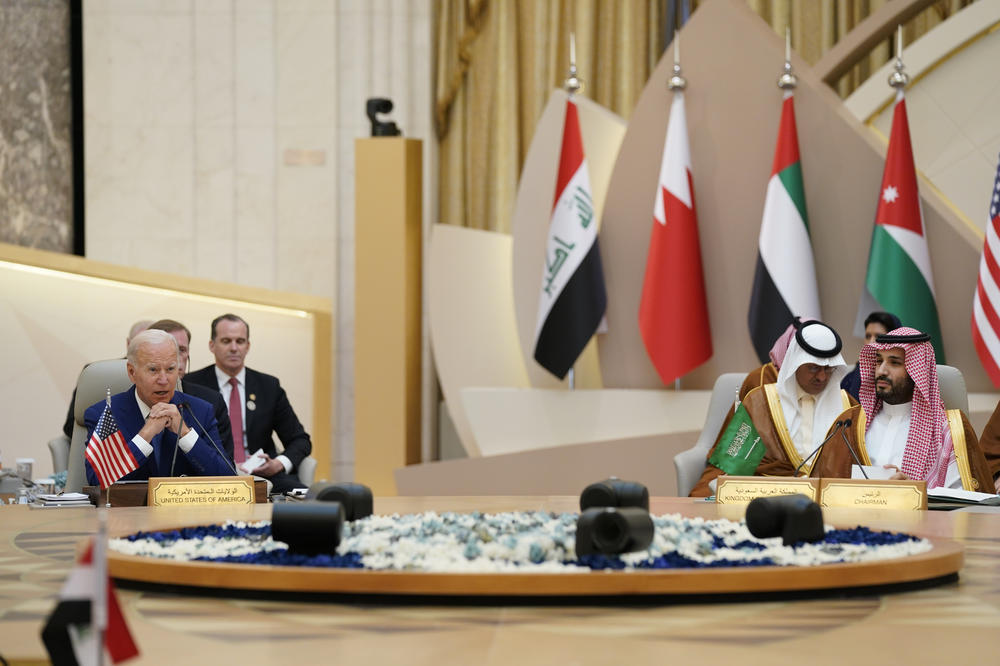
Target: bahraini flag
[673,311]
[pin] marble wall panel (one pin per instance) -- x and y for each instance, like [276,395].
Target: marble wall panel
[254,64]
[145,193]
[214,75]
[214,183]
[36,188]
[307,74]
[150,70]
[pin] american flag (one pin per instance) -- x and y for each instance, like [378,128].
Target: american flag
[108,452]
[986,302]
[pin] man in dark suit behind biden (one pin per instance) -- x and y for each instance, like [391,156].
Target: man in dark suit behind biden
[258,406]
[156,440]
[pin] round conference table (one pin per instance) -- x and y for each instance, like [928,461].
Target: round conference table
[946,622]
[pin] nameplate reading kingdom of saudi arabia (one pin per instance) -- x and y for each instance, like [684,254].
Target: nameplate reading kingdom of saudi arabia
[873,494]
[743,489]
[200,490]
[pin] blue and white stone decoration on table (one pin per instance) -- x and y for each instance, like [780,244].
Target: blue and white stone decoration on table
[515,541]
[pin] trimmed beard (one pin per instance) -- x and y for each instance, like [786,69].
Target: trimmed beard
[896,393]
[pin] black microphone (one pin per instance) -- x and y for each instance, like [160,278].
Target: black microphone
[843,433]
[207,436]
[836,426]
[177,444]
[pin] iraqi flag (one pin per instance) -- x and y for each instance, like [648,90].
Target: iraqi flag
[784,284]
[986,301]
[673,312]
[87,611]
[899,278]
[573,299]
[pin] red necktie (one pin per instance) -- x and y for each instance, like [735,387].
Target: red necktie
[236,419]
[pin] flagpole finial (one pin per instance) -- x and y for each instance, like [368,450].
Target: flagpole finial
[899,78]
[573,83]
[788,80]
[677,80]
[108,398]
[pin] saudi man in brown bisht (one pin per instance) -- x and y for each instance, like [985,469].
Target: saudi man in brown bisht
[798,412]
[768,373]
[907,427]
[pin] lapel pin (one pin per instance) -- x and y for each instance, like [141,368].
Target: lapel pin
[251,405]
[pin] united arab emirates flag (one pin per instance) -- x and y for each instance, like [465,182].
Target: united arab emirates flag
[899,278]
[784,284]
[739,450]
[573,298]
[673,311]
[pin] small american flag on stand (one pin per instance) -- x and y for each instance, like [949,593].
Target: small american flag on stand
[108,452]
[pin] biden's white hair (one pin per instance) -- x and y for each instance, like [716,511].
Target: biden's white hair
[149,337]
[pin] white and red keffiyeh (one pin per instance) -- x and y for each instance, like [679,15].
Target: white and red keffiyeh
[925,442]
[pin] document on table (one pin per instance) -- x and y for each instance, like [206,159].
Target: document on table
[873,471]
[962,496]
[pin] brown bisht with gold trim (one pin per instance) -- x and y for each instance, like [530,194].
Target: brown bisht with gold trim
[781,458]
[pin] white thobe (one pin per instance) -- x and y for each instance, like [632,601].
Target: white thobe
[886,440]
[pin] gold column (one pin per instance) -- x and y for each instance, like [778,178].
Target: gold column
[387,309]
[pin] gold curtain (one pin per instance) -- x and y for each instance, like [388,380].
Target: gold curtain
[499,60]
[817,26]
[497,64]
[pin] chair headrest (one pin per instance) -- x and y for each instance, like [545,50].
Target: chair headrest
[94,381]
[951,384]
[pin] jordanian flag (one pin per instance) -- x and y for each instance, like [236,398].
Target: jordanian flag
[899,278]
[784,284]
[673,312]
[573,298]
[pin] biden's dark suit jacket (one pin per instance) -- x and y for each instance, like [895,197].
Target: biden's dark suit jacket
[202,460]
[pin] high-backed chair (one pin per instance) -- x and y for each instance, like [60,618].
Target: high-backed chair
[691,463]
[59,450]
[951,384]
[307,470]
[92,386]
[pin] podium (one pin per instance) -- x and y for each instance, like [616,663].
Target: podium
[388,283]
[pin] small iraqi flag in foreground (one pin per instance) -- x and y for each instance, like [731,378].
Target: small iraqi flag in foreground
[87,625]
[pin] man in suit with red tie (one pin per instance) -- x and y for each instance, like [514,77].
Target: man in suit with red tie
[258,405]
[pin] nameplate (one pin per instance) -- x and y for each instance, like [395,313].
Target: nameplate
[743,489]
[873,494]
[200,490]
